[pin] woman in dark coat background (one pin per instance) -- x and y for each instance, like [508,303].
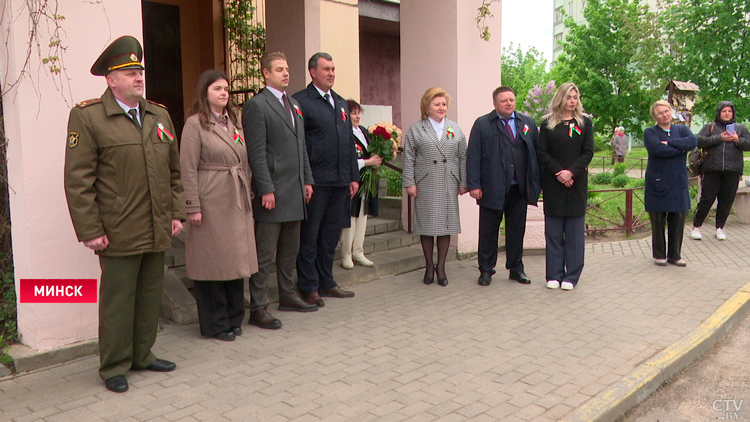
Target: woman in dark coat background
[353,237]
[566,146]
[667,195]
[721,168]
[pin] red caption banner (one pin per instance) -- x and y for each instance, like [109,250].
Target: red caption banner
[48,290]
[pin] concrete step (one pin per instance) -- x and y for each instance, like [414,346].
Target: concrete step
[377,225]
[385,241]
[389,207]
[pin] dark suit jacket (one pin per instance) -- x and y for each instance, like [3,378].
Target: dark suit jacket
[484,159]
[278,157]
[328,135]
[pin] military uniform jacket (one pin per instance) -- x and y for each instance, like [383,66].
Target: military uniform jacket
[121,181]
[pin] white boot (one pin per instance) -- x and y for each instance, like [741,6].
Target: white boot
[347,237]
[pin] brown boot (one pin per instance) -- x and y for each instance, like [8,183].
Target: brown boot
[261,318]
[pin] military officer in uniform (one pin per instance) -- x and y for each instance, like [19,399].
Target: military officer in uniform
[125,196]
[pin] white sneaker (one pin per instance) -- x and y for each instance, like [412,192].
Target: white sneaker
[695,234]
[566,285]
[347,263]
[720,234]
[553,284]
[361,260]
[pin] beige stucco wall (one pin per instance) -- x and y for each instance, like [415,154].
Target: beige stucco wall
[339,37]
[301,28]
[440,46]
[36,113]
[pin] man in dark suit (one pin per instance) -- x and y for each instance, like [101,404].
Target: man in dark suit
[503,176]
[282,182]
[333,159]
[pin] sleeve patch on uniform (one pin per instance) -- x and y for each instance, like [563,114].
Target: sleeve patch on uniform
[73,139]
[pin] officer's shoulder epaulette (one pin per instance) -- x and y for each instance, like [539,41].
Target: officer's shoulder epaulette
[87,103]
[157,104]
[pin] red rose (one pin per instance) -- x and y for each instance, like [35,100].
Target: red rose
[380,131]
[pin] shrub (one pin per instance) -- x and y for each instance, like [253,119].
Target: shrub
[636,183]
[620,181]
[601,143]
[620,168]
[394,180]
[602,178]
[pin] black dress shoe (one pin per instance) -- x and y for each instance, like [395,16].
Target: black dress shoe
[118,384]
[520,277]
[237,331]
[226,336]
[296,304]
[443,282]
[161,365]
[484,279]
[430,280]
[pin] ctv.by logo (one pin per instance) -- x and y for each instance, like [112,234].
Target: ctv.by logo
[730,408]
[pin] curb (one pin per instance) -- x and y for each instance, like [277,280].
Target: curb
[635,387]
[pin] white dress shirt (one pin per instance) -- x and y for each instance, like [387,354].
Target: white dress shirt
[439,127]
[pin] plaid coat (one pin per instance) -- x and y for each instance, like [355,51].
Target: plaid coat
[438,168]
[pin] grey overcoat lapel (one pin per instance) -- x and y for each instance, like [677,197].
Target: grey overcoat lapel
[276,106]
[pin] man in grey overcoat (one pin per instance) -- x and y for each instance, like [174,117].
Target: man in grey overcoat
[282,183]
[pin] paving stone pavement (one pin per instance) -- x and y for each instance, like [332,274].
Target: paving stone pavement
[403,351]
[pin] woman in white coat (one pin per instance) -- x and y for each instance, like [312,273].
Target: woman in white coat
[434,175]
[220,240]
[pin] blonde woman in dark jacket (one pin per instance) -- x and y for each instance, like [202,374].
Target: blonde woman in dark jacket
[722,167]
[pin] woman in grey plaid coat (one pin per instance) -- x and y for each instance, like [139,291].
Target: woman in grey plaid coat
[434,175]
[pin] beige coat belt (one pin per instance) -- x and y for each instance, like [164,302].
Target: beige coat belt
[242,188]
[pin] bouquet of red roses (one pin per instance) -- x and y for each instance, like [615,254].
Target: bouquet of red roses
[384,141]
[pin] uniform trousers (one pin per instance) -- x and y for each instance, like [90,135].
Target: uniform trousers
[514,210]
[674,222]
[221,305]
[566,247]
[279,241]
[129,307]
[327,214]
[721,185]
[353,237]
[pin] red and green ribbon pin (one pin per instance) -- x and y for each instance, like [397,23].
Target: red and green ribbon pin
[343,114]
[525,129]
[450,133]
[297,110]
[238,138]
[573,128]
[161,133]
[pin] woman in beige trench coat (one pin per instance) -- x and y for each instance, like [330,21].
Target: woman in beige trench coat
[220,239]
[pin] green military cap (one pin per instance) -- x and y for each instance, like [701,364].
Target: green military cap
[124,53]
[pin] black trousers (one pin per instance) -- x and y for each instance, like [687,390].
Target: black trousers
[721,185]
[220,305]
[327,214]
[514,210]
[674,222]
[280,241]
[566,247]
